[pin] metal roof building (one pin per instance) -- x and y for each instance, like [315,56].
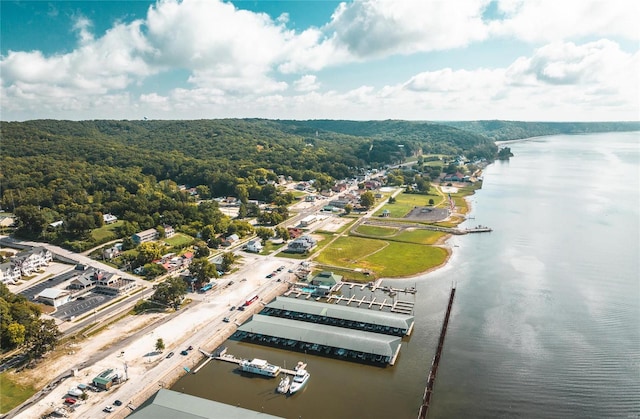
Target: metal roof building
[168,404]
[329,336]
[403,322]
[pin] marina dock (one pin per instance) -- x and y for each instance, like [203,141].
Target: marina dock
[224,356]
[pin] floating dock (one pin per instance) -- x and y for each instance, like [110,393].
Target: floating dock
[224,356]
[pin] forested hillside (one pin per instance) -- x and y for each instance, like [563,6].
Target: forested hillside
[77,171]
[514,130]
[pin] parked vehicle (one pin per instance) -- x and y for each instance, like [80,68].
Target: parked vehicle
[170,354]
[118,403]
[108,409]
[226,320]
[70,400]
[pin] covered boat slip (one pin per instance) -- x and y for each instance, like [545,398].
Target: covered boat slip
[336,342]
[341,316]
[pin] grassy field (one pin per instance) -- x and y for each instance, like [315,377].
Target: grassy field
[12,394]
[405,203]
[390,259]
[106,232]
[270,247]
[419,236]
[376,231]
[405,259]
[346,251]
[179,240]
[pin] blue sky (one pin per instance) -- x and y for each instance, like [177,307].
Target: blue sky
[576,60]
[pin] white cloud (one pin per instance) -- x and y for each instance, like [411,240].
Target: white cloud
[377,28]
[236,61]
[552,20]
[306,83]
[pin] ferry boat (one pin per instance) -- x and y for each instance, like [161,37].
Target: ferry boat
[284,385]
[259,366]
[299,380]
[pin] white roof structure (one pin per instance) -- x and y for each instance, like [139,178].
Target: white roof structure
[52,293]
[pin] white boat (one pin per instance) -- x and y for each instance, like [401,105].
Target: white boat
[299,380]
[284,385]
[259,366]
[75,392]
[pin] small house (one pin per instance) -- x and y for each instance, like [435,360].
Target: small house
[254,246]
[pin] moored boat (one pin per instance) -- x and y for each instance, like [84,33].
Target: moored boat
[284,385]
[300,379]
[259,366]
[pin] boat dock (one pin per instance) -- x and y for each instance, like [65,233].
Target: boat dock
[208,359]
[224,356]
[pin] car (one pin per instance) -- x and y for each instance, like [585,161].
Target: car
[170,354]
[184,353]
[280,268]
[270,275]
[241,308]
[70,400]
[108,409]
[190,348]
[226,320]
[243,279]
[118,403]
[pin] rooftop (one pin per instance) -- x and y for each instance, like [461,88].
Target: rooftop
[337,337]
[172,404]
[401,321]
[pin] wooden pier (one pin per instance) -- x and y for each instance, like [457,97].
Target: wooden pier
[224,356]
[431,379]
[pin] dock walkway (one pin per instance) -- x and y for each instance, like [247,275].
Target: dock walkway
[224,356]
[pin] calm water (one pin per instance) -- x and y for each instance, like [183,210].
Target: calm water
[546,321]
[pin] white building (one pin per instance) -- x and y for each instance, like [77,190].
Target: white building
[109,218]
[9,273]
[31,260]
[254,246]
[308,220]
[54,297]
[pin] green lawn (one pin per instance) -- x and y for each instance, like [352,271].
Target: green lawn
[12,394]
[270,247]
[390,259]
[405,203]
[405,259]
[179,240]
[419,236]
[106,232]
[376,231]
[346,251]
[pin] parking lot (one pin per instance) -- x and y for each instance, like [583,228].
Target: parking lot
[52,282]
[81,306]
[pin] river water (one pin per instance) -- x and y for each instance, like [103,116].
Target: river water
[546,321]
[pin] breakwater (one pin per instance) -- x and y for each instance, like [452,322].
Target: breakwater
[431,379]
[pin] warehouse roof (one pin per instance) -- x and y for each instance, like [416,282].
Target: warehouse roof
[168,404]
[401,321]
[338,337]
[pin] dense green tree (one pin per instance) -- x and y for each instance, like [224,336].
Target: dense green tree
[264,233]
[228,258]
[148,252]
[203,270]
[348,208]
[160,345]
[367,199]
[201,249]
[153,270]
[41,337]
[170,292]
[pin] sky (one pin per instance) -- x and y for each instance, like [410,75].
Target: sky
[429,60]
